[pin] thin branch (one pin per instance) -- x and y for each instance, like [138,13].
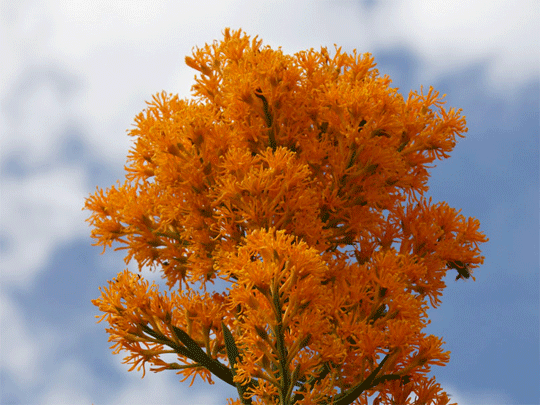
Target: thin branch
[350,395]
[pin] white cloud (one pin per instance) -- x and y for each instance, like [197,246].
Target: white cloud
[491,397]
[448,36]
[22,352]
[44,210]
[69,383]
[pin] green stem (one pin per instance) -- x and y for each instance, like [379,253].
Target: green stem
[233,354]
[282,349]
[348,397]
[193,352]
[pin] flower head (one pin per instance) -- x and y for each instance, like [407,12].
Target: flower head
[299,180]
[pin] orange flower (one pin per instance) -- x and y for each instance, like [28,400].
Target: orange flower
[298,181]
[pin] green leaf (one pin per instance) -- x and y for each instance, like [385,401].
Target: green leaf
[195,353]
[233,354]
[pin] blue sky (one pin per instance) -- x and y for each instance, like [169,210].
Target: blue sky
[73,75]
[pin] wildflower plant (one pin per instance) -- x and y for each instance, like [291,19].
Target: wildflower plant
[298,181]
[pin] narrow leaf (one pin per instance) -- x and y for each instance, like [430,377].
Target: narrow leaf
[233,354]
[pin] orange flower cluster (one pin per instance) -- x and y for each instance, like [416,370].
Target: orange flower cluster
[299,181]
